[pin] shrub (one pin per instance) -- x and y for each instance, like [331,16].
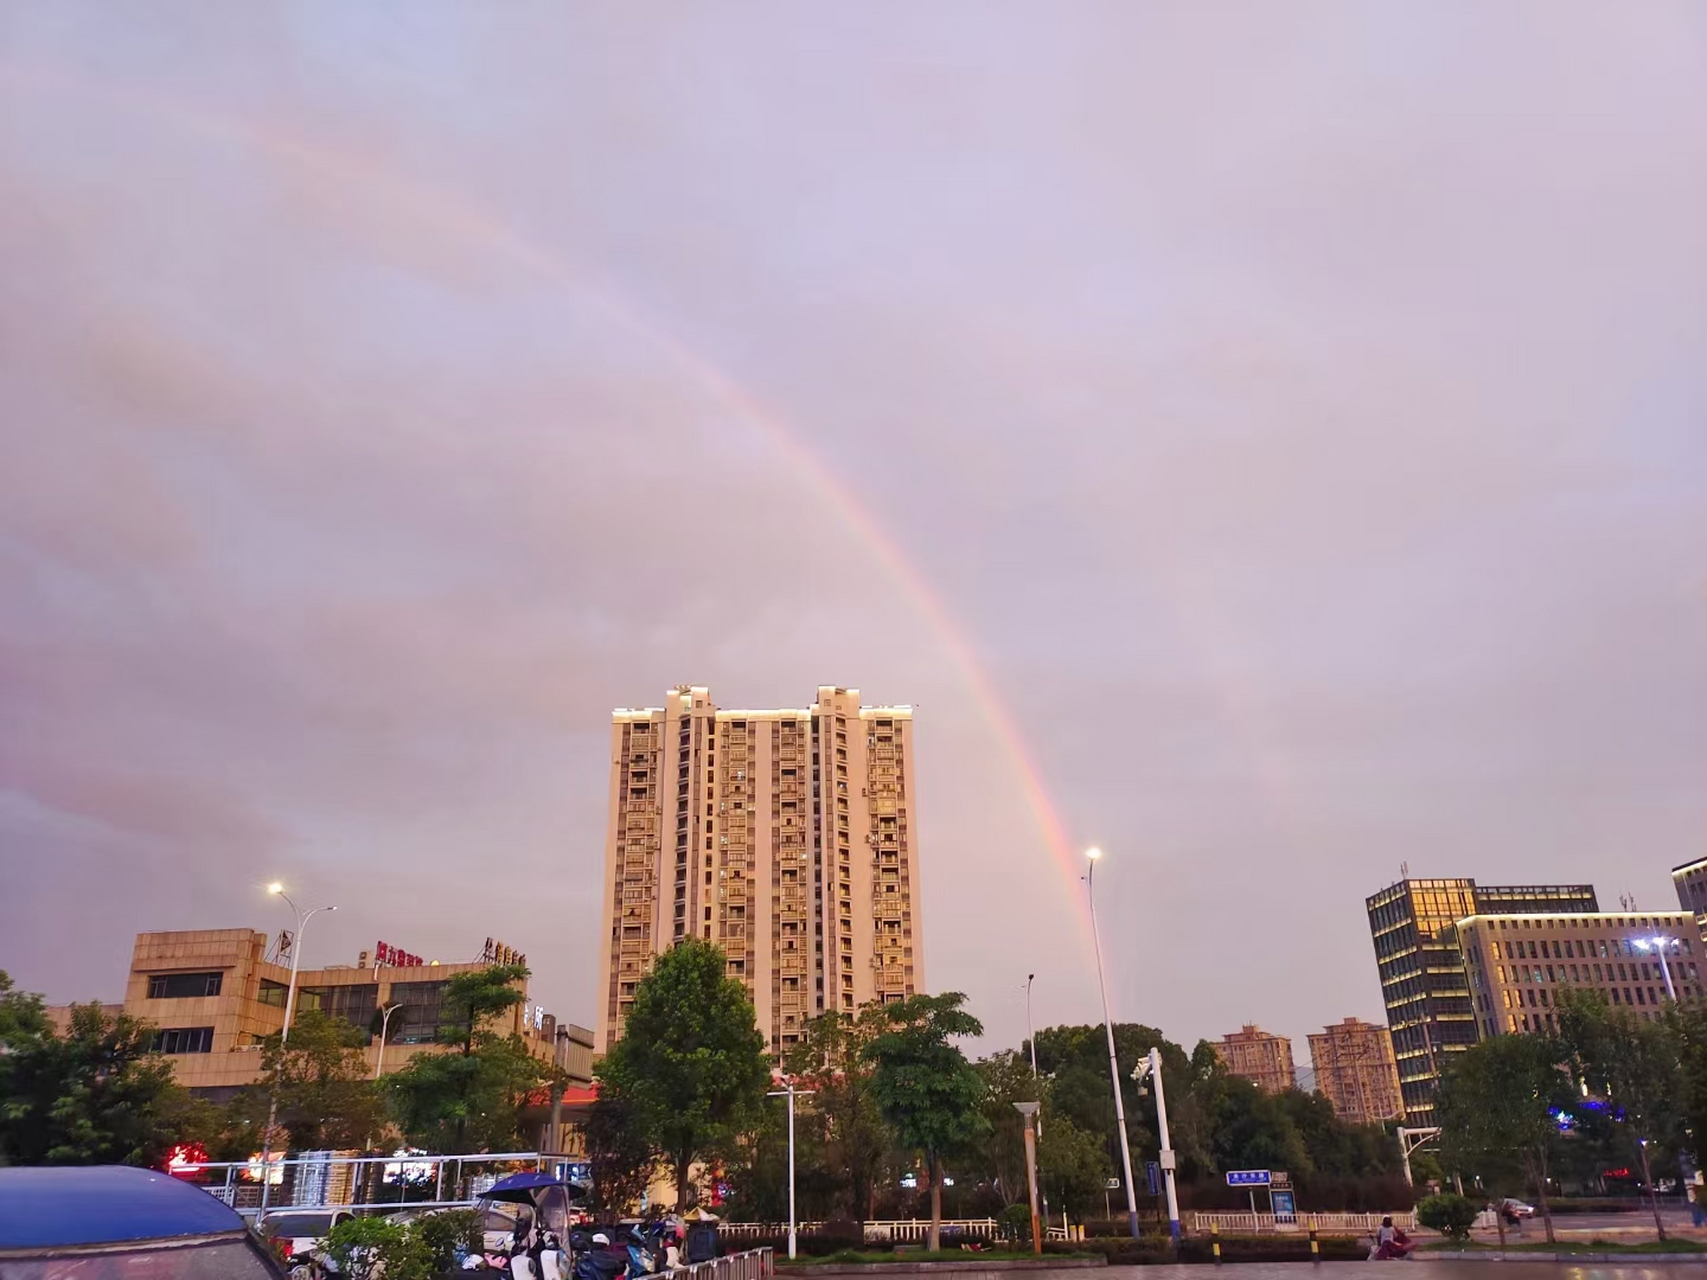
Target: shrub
[356,1247]
[1014,1222]
[1450,1215]
[442,1234]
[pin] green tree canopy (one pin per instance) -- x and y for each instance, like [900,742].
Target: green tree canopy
[1632,1063]
[691,1062]
[831,1061]
[467,1101]
[321,1082]
[927,1090]
[1496,1102]
[1072,1166]
[96,1095]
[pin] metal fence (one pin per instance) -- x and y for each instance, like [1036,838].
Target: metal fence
[1331,1224]
[333,1180]
[750,1264]
[885,1231]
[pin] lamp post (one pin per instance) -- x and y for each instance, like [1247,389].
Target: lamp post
[788,1091]
[384,1024]
[302,919]
[1031,1111]
[1659,944]
[1113,1063]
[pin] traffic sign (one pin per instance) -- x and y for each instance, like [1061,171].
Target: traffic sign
[1113,1184]
[1248,1178]
[1153,1175]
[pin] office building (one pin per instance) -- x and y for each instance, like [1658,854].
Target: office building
[1690,881]
[1356,1071]
[787,837]
[1518,965]
[214,995]
[1260,1057]
[1423,982]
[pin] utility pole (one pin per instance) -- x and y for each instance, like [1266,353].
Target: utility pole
[1152,1067]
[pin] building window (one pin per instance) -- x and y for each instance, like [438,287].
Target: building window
[422,1011]
[273,993]
[184,1040]
[183,986]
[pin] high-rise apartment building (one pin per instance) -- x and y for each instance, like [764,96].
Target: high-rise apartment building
[1356,1072]
[1260,1057]
[1423,982]
[1518,965]
[787,837]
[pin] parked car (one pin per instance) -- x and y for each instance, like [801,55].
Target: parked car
[1513,1208]
[122,1222]
[301,1233]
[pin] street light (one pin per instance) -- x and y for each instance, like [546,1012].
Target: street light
[384,1023]
[1092,854]
[1659,944]
[302,919]
[788,1091]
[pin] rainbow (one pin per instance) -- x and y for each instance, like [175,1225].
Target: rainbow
[484,227]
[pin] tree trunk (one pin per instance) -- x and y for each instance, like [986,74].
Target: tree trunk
[683,1160]
[1538,1171]
[935,1243]
[1499,1220]
[1653,1193]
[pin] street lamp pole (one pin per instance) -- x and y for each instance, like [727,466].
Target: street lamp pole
[1660,944]
[788,1091]
[1113,1061]
[384,1024]
[302,919]
[1166,1155]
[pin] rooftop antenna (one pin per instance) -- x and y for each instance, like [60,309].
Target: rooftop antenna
[1404,871]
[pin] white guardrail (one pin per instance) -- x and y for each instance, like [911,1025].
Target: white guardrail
[1330,1224]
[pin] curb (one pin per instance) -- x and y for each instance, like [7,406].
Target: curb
[917,1268]
[1564,1255]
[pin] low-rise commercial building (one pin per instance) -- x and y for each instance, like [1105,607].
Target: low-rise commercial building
[1518,965]
[1356,1071]
[1260,1057]
[214,996]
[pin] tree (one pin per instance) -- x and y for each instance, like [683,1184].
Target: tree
[473,999]
[691,1062]
[1072,1165]
[319,1078]
[925,1087]
[1631,1063]
[1497,1100]
[462,1102]
[96,1095]
[1007,1079]
[830,1060]
[622,1158]
[1452,1216]
[470,1100]
[1688,1025]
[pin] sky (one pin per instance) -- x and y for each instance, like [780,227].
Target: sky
[1266,441]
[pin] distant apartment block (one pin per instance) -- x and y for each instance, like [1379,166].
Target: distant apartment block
[1690,881]
[787,837]
[1423,981]
[1518,965]
[1356,1071]
[1260,1057]
[214,995]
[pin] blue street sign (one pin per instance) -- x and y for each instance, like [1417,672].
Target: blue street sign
[1153,1175]
[1285,1206]
[1247,1177]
